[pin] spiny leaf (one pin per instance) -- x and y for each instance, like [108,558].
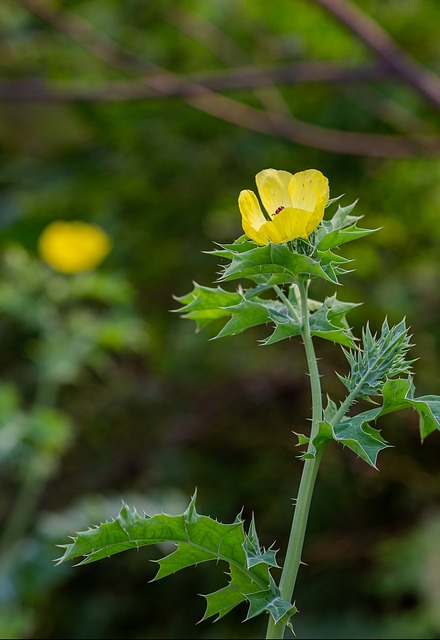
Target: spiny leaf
[331,325]
[354,433]
[239,246]
[269,600]
[341,236]
[246,314]
[245,308]
[327,321]
[206,304]
[340,229]
[281,332]
[222,601]
[273,259]
[340,220]
[330,410]
[399,394]
[332,200]
[357,433]
[254,553]
[198,539]
[381,358]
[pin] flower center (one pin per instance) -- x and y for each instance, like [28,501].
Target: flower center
[278,210]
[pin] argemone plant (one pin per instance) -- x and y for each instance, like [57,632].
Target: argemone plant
[287,245]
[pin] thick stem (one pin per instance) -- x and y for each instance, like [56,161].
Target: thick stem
[310,471]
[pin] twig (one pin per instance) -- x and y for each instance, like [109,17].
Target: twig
[426,82]
[164,86]
[83,33]
[222,107]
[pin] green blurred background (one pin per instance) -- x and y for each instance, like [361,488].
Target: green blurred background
[106,395]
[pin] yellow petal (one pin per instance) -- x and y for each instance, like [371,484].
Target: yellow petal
[273,187]
[71,247]
[309,190]
[252,218]
[314,218]
[289,224]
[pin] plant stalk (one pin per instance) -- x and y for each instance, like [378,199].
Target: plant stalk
[308,478]
[33,481]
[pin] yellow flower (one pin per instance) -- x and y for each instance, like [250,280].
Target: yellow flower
[294,203]
[71,247]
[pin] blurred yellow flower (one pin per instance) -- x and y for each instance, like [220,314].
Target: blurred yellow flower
[71,247]
[294,203]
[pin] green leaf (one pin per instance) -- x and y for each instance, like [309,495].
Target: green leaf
[206,304]
[246,314]
[329,323]
[283,331]
[340,229]
[340,220]
[399,394]
[222,601]
[238,246]
[356,432]
[341,236]
[269,600]
[330,410]
[254,553]
[332,200]
[381,358]
[198,539]
[428,408]
[245,309]
[273,259]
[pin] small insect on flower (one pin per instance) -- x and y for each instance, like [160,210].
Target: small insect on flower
[294,204]
[72,247]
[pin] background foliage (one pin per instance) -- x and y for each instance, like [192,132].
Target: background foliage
[106,395]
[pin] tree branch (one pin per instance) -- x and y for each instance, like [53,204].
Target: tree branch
[164,86]
[83,33]
[426,82]
[204,99]
[336,141]
[226,50]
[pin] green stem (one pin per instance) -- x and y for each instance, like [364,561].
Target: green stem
[287,302]
[348,401]
[33,481]
[24,507]
[310,471]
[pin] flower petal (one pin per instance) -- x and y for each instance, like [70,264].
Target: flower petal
[314,219]
[273,187]
[289,224]
[74,246]
[252,218]
[309,190]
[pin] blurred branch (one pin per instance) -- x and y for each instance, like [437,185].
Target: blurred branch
[278,125]
[205,99]
[335,140]
[395,114]
[426,82]
[207,34]
[164,86]
[83,33]
[226,50]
